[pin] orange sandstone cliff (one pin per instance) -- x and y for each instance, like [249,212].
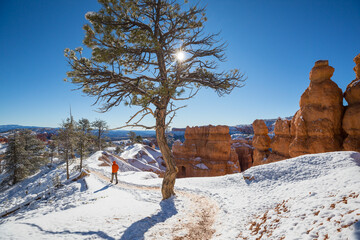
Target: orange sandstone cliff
[206,151]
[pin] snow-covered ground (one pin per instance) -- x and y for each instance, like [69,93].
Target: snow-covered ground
[3,148]
[309,197]
[144,157]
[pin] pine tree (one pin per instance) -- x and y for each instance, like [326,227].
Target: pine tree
[138,139]
[132,137]
[85,138]
[119,149]
[24,155]
[13,156]
[67,138]
[100,127]
[149,53]
[52,147]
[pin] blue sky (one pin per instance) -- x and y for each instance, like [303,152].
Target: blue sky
[274,42]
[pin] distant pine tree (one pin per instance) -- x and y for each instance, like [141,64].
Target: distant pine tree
[138,139]
[101,127]
[24,155]
[132,137]
[119,149]
[67,139]
[52,148]
[85,139]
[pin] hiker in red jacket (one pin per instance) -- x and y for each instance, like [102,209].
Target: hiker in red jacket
[115,168]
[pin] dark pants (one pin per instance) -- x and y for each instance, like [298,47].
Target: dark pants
[112,177]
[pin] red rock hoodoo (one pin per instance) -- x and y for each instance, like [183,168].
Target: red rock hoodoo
[261,142]
[281,141]
[316,127]
[320,125]
[351,120]
[206,151]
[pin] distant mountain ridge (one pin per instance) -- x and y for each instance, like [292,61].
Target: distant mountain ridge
[112,134]
[6,128]
[123,134]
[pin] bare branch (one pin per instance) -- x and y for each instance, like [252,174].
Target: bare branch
[149,111]
[135,125]
[187,98]
[174,110]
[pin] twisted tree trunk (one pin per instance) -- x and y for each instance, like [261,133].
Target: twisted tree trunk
[168,183]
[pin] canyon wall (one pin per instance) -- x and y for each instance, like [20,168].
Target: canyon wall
[206,151]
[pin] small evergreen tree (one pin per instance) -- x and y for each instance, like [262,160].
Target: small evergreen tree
[100,127]
[84,139]
[24,155]
[119,149]
[132,137]
[67,139]
[138,139]
[52,147]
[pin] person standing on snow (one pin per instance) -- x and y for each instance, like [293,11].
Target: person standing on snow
[115,168]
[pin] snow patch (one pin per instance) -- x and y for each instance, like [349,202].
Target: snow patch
[201,166]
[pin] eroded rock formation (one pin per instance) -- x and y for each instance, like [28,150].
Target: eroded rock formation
[316,127]
[206,151]
[261,142]
[281,141]
[351,120]
[244,150]
[320,125]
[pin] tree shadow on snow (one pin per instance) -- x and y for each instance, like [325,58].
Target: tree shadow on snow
[356,233]
[83,185]
[137,230]
[356,157]
[100,234]
[104,188]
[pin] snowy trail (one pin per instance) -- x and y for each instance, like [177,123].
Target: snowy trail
[309,197]
[193,222]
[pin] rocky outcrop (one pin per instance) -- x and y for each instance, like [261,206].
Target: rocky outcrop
[351,120]
[281,141]
[244,151]
[320,125]
[261,142]
[206,151]
[316,127]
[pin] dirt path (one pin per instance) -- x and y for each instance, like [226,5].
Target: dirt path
[201,218]
[197,221]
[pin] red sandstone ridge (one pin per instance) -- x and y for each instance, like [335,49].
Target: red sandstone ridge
[316,127]
[351,120]
[206,151]
[261,142]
